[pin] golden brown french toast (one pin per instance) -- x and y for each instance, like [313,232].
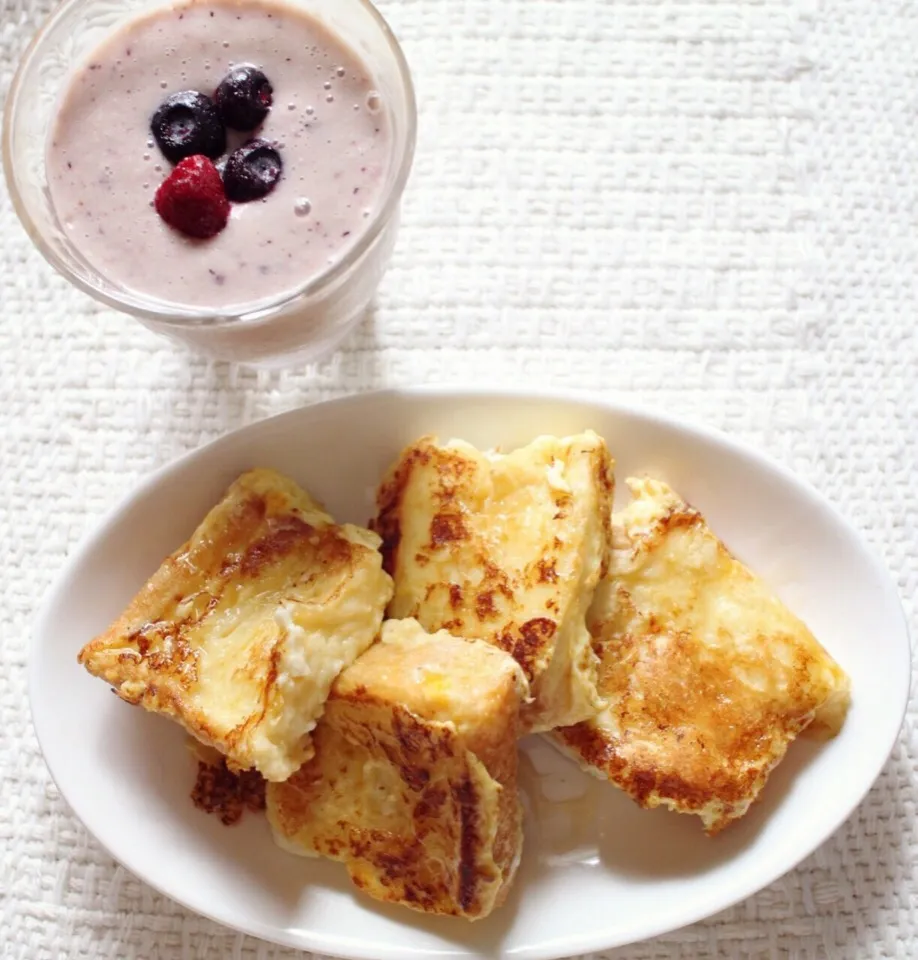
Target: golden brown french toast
[413,783]
[709,676]
[241,632]
[506,548]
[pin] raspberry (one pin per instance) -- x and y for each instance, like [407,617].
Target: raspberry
[191,199]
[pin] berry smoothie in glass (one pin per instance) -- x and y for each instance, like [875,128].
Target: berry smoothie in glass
[229,173]
[217,153]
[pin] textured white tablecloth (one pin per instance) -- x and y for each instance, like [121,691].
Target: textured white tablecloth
[708,203]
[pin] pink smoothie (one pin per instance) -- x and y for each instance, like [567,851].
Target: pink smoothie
[328,122]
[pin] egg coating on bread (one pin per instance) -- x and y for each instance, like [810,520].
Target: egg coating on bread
[709,676]
[241,632]
[414,781]
[507,548]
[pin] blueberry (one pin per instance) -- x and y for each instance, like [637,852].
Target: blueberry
[244,97]
[186,124]
[252,171]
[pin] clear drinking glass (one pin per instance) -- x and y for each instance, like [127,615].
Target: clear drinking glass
[298,326]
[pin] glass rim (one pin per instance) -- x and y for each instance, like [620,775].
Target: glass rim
[162,312]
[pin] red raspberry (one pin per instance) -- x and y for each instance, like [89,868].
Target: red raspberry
[191,199]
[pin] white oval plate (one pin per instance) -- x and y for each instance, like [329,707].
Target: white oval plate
[597,871]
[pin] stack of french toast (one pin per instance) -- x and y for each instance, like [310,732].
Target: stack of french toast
[380,678]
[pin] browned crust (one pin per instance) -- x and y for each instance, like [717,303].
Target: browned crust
[438,856]
[487,606]
[662,709]
[446,528]
[226,794]
[387,523]
[684,729]
[147,654]
[443,823]
[466,801]
[527,642]
[220,561]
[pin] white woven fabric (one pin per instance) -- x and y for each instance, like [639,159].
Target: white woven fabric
[708,203]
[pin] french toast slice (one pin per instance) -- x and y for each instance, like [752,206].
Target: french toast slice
[241,632]
[709,676]
[414,781]
[506,548]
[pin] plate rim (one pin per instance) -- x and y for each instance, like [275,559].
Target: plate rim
[613,402]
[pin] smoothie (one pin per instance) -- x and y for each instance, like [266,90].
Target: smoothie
[325,120]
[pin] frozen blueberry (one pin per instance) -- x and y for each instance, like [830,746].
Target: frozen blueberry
[252,171]
[244,97]
[186,124]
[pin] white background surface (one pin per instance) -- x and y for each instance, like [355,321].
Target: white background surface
[711,205]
